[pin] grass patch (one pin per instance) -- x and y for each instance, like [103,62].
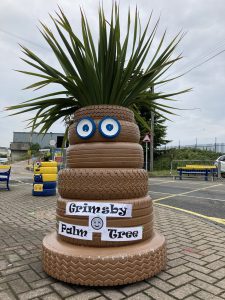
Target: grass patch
[180,158]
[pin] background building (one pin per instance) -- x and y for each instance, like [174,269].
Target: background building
[22,141]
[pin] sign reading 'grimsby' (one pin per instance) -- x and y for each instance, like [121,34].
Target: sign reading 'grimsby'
[96,208]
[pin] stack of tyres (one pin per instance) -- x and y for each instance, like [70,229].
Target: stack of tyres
[104,230]
[45,177]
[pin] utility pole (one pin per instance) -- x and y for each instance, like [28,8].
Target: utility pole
[152,136]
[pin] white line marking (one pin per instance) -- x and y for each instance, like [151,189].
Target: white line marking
[159,193]
[213,199]
[184,193]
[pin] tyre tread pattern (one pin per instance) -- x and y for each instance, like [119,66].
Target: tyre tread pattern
[107,271]
[97,242]
[102,183]
[105,155]
[101,111]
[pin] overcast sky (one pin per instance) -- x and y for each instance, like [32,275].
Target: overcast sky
[202,116]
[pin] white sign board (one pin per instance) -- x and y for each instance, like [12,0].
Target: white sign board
[52,143]
[116,210]
[122,234]
[147,139]
[75,231]
[97,223]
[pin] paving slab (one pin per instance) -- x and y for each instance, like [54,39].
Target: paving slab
[196,255]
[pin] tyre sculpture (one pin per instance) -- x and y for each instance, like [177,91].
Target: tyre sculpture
[45,177]
[104,215]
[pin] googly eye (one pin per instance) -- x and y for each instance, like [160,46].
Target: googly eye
[85,128]
[109,127]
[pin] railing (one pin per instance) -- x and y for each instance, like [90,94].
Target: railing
[215,147]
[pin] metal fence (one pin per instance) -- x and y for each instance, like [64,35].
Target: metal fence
[216,147]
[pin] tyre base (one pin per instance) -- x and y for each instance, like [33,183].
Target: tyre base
[103,266]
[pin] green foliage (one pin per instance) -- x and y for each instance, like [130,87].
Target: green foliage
[108,72]
[192,154]
[163,158]
[34,148]
[47,156]
[160,132]
[159,127]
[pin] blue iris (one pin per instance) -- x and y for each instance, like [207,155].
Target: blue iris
[85,128]
[109,127]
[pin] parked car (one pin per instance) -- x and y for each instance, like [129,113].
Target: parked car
[3,160]
[221,159]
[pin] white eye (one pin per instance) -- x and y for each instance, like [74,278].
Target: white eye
[85,128]
[109,127]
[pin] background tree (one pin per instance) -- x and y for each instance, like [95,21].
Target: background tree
[34,148]
[159,127]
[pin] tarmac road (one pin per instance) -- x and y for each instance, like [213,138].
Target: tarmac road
[204,199]
[19,174]
[200,198]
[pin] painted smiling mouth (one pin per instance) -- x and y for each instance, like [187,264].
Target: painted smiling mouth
[97,226]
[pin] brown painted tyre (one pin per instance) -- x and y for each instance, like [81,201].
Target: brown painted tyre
[98,183]
[135,212]
[137,204]
[105,155]
[129,133]
[101,111]
[97,242]
[111,222]
[146,221]
[103,267]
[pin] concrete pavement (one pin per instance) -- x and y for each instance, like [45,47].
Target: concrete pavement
[19,173]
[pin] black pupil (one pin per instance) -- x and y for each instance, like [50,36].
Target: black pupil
[85,128]
[109,127]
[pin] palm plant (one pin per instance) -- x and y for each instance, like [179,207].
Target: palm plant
[110,72]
